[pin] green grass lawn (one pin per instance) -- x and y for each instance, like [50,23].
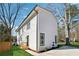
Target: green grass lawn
[60,44]
[15,51]
[75,44]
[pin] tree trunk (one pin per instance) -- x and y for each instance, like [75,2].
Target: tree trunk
[67,27]
[9,35]
[68,35]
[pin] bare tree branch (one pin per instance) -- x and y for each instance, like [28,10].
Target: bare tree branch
[17,11]
[8,15]
[3,17]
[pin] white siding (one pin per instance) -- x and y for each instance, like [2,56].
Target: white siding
[24,34]
[47,25]
[18,42]
[32,34]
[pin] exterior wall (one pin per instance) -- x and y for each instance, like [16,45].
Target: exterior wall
[47,25]
[18,42]
[24,33]
[32,34]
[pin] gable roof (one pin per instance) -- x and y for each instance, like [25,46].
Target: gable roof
[29,14]
[26,17]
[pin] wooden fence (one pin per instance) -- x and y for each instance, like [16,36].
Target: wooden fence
[4,46]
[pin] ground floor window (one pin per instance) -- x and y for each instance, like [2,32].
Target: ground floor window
[42,39]
[55,39]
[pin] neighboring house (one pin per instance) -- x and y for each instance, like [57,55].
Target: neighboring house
[38,30]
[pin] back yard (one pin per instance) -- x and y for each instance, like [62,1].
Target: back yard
[73,44]
[15,51]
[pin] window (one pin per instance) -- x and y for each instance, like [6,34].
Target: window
[22,30]
[28,25]
[42,39]
[55,39]
[19,32]
[27,40]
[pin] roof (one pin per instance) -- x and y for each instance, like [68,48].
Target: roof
[26,17]
[29,14]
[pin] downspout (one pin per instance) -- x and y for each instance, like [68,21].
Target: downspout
[36,31]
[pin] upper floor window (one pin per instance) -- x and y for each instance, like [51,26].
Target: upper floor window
[19,32]
[28,25]
[22,30]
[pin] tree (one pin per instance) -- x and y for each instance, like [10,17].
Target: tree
[70,11]
[8,16]
[2,32]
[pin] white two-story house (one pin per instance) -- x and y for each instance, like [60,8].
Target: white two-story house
[38,30]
